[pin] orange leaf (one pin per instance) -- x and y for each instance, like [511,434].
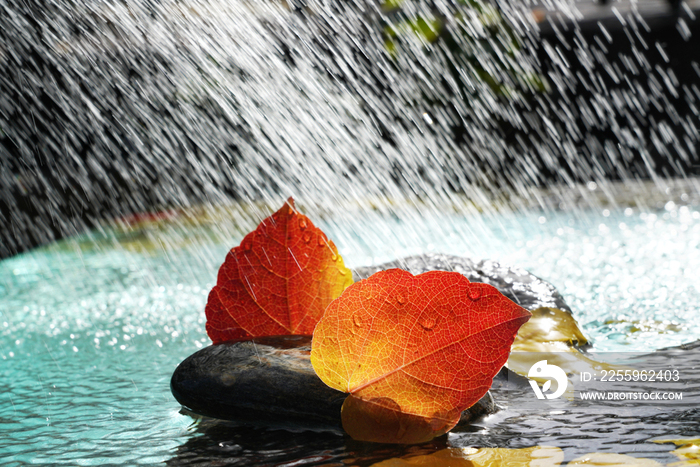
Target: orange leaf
[413,351]
[278,281]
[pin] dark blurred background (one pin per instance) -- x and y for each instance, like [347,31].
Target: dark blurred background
[95,122]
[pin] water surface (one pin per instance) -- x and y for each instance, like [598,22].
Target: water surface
[93,327]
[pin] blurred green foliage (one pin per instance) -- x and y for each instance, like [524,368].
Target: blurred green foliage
[475,35]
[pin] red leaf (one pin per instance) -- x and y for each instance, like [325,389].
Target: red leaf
[278,281]
[413,351]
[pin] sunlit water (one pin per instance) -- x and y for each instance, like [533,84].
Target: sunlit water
[92,328]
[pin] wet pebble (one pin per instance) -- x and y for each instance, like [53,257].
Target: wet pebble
[268,381]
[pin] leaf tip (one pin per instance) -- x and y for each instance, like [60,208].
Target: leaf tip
[289,205]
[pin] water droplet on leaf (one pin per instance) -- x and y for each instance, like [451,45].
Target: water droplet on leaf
[474,293]
[401,298]
[307,237]
[302,223]
[427,322]
[357,320]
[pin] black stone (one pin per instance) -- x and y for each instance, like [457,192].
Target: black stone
[267,380]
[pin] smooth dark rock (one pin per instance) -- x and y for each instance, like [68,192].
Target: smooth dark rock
[264,380]
[267,380]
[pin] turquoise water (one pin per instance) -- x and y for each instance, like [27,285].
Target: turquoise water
[92,328]
[629,275]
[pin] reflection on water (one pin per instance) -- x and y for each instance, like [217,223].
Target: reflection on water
[224,443]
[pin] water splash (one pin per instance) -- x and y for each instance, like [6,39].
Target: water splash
[115,107]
